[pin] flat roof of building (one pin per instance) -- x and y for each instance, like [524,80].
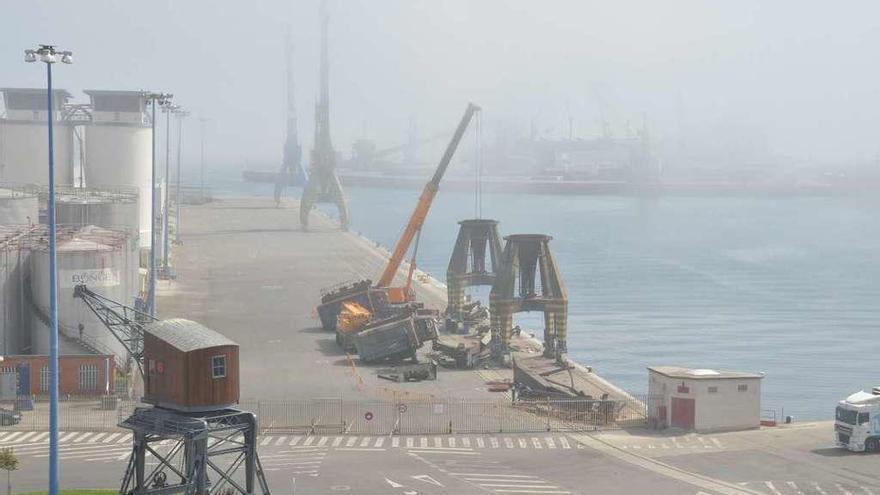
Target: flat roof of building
[701,373]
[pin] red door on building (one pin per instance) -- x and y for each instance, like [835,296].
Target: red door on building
[683,413]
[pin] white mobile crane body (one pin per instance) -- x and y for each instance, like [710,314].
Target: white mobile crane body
[857,422]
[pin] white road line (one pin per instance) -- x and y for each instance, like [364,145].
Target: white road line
[460,449]
[265,441]
[480,442]
[550,443]
[494,442]
[452,441]
[466,441]
[303,463]
[438,442]
[536,442]
[102,458]
[337,441]
[521,442]
[123,456]
[350,442]
[410,441]
[794,487]
[294,440]
[379,442]
[395,442]
[717,443]
[96,438]
[423,442]
[819,489]
[503,490]
[843,490]
[773,490]
[13,436]
[26,436]
[564,442]
[82,437]
[494,474]
[111,436]
[360,449]
[505,480]
[40,437]
[502,485]
[867,490]
[125,438]
[280,440]
[3,435]
[508,442]
[365,442]
[322,441]
[308,441]
[443,451]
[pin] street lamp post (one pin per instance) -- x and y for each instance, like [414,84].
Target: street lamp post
[202,121]
[162,99]
[181,114]
[169,109]
[47,54]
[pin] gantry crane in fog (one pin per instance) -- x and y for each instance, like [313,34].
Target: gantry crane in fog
[323,185]
[292,172]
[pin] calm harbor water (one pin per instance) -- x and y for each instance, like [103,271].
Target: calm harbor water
[786,286]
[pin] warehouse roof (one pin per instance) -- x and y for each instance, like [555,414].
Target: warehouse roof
[187,335]
[700,374]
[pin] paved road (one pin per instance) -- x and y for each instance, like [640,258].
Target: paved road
[792,461]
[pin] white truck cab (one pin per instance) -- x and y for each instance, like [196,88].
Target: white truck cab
[857,422]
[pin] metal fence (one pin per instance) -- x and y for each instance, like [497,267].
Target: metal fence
[379,417]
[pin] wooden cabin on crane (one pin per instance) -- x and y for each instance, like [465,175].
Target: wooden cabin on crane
[189,367]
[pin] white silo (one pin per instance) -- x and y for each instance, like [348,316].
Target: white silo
[119,148]
[19,205]
[113,208]
[105,261]
[24,140]
[15,313]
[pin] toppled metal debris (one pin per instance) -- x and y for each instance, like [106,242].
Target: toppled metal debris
[410,372]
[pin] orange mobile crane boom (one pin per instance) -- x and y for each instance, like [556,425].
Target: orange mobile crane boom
[364,293]
[417,219]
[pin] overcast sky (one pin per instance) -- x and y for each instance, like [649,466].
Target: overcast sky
[800,74]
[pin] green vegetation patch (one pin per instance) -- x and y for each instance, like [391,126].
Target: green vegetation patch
[78,492]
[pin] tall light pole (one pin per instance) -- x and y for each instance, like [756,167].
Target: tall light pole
[169,109]
[181,114]
[48,55]
[202,121]
[162,99]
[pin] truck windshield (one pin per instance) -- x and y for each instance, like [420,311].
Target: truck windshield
[847,416]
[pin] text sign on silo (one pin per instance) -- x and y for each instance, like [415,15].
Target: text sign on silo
[98,277]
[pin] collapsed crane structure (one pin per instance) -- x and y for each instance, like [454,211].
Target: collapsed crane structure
[209,435]
[323,185]
[384,300]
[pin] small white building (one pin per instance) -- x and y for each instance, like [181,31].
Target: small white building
[703,399]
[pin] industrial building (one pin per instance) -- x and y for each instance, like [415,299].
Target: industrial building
[103,161]
[86,375]
[23,130]
[704,400]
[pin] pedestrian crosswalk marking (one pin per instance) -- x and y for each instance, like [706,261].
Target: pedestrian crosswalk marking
[321,442]
[308,441]
[480,442]
[350,442]
[395,442]
[280,440]
[294,440]
[337,441]
[379,442]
